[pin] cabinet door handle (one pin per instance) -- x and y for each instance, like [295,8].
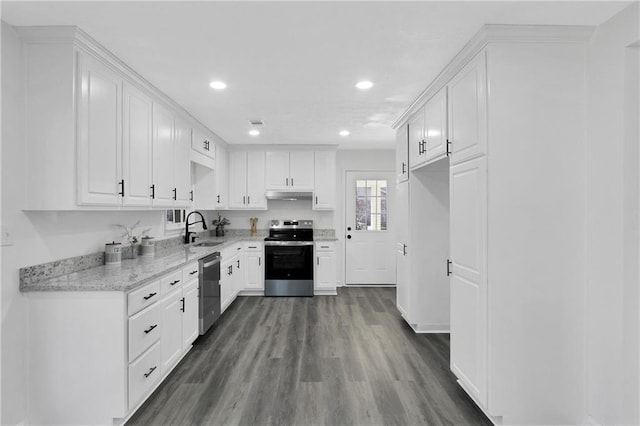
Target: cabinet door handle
[248,199]
[318,260]
[174,282]
[175,193]
[286,181]
[448,267]
[403,167]
[149,296]
[121,188]
[404,249]
[243,199]
[193,272]
[191,195]
[238,263]
[259,261]
[182,308]
[150,329]
[291,181]
[253,247]
[448,147]
[151,370]
[218,198]
[153,191]
[324,246]
[316,199]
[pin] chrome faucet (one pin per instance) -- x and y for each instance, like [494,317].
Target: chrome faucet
[187,234]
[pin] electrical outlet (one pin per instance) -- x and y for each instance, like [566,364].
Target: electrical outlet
[6,238]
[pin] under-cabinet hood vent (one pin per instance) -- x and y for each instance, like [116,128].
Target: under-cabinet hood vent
[288,195]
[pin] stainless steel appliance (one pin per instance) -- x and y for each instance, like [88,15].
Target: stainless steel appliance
[209,291]
[289,258]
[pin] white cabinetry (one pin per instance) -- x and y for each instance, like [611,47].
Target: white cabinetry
[289,171]
[246,180]
[231,274]
[416,139]
[402,153]
[203,148]
[324,194]
[253,267]
[99,136]
[428,131]
[221,177]
[183,194]
[326,275]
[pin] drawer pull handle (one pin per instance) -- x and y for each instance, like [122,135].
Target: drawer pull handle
[174,282]
[150,329]
[151,370]
[253,247]
[324,246]
[149,296]
[193,272]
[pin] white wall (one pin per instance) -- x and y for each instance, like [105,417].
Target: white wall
[612,224]
[278,209]
[353,160]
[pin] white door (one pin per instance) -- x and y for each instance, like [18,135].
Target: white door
[370,241]
[237,179]
[435,126]
[163,173]
[255,180]
[468,203]
[171,340]
[99,137]
[401,221]
[182,163]
[325,270]
[137,148]
[277,175]
[221,177]
[301,170]
[325,180]
[416,139]
[254,279]
[190,329]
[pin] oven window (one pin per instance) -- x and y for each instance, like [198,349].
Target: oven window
[289,262]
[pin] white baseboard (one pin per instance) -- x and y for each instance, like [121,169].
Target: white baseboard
[325,292]
[496,420]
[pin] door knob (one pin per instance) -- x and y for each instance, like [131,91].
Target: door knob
[348,237]
[349,228]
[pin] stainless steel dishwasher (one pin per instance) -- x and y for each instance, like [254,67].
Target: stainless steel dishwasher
[209,291]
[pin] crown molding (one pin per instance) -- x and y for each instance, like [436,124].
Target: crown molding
[495,34]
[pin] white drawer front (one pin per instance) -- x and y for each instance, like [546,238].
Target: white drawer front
[144,373]
[143,297]
[171,282]
[145,329]
[325,246]
[253,247]
[190,272]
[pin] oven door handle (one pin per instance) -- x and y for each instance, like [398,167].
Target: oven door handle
[288,243]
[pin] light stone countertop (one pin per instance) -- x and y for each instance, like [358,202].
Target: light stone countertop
[133,273]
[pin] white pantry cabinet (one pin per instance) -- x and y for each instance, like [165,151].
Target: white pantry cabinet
[90,124]
[516,249]
[324,193]
[326,270]
[246,180]
[289,171]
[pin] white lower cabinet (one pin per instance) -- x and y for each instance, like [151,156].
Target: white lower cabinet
[144,373]
[231,277]
[253,254]
[325,280]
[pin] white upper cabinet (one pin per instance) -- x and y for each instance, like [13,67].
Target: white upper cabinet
[435,127]
[183,194]
[137,143]
[247,180]
[468,111]
[416,139]
[221,178]
[324,195]
[99,136]
[402,153]
[163,173]
[202,143]
[289,171]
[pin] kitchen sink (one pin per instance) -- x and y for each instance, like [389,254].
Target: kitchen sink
[208,244]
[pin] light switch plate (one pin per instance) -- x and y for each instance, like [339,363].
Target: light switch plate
[6,238]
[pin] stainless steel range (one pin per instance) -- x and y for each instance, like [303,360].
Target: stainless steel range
[289,258]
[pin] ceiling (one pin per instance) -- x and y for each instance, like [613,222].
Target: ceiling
[294,64]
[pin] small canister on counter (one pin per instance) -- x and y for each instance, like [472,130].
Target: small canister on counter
[112,253]
[147,247]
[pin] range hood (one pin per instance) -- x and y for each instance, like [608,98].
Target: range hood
[288,195]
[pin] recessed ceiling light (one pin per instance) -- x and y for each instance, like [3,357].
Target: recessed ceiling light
[218,85]
[344,133]
[364,85]
[254,132]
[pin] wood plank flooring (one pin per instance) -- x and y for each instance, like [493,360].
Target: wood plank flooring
[328,360]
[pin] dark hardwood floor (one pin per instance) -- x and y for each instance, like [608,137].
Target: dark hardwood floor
[326,360]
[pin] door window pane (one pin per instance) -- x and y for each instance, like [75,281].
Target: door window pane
[371,205]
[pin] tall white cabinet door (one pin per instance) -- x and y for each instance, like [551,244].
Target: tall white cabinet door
[255,180]
[277,174]
[468,204]
[324,195]
[171,340]
[137,146]
[402,154]
[163,161]
[99,137]
[435,126]
[221,171]
[301,168]
[468,111]
[416,139]
[237,179]
[402,261]
[182,162]
[190,330]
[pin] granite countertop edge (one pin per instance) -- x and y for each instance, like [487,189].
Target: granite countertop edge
[133,273]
